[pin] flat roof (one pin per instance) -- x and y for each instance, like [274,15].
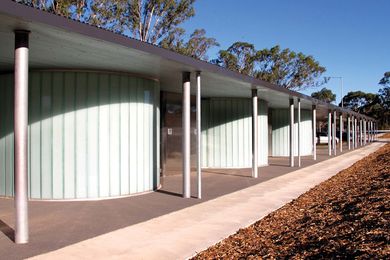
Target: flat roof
[57,42]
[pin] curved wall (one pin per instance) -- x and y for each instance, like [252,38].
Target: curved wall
[91,135]
[226,133]
[280,119]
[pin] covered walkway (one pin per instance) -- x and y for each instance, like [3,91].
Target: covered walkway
[58,224]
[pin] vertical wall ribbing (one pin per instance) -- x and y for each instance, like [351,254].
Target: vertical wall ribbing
[226,133]
[90,135]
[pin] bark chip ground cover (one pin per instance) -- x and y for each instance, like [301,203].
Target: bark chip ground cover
[347,216]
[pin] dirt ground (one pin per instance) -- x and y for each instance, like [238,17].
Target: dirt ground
[348,216]
[387,135]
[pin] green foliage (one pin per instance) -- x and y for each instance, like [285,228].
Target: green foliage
[196,47]
[283,67]
[238,57]
[147,20]
[325,95]
[373,105]
[384,94]
[385,90]
[75,9]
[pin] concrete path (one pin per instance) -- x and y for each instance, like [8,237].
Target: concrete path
[182,233]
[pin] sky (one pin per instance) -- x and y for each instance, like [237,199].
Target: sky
[350,38]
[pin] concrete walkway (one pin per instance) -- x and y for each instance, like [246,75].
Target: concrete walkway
[182,233]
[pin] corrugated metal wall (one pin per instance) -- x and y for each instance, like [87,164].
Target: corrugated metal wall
[91,135]
[226,133]
[281,132]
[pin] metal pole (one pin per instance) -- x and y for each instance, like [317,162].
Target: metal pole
[342,97]
[329,133]
[186,135]
[341,132]
[314,133]
[255,146]
[365,131]
[291,133]
[334,133]
[353,132]
[371,130]
[356,134]
[20,136]
[361,132]
[199,134]
[349,131]
[299,132]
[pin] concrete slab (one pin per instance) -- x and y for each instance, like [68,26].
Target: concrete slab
[182,233]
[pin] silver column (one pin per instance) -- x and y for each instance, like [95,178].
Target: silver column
[314,132]
[349,131]
[334,133]
[356,136]
[20,137]
[186,135]
[299,132]
[371,138]
[361,132]
[329,133]
[341,132]
[365,132]
[255,147]
[353,132]
[291,132]
[199,134]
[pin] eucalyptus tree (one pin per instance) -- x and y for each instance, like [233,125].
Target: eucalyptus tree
[325,95]
[146,20]
[238,57]
[197,45]
[283,67]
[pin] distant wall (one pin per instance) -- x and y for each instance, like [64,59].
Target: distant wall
[227,133]
[91,135]
[281,132]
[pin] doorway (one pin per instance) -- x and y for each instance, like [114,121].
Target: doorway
[171,133]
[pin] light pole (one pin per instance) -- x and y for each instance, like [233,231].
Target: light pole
[342,83]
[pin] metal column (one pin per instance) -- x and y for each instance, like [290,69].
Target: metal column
[356,137]
[365,131]
[371,131]
[186,135]
[334,133]
[299,132]
[314,132]
[20,137]
[353,132]
[255,146]
[341,132]
[199,135]
[349,131]
[361,132]
[291,133]
[329,133]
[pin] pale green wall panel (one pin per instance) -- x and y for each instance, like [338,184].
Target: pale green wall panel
[81,135]
[104,131]
[226,133]
[281,132]
[58,135]
[124,135]
[91,135]
[69,135]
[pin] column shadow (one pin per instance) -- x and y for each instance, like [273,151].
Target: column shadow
[7,230]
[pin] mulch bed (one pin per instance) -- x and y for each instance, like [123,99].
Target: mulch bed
[387,135]
[347,216]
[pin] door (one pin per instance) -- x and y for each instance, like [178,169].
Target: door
[171,133]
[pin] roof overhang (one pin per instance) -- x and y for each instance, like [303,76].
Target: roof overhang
[60,43]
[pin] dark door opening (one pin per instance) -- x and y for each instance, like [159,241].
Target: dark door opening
[171,133]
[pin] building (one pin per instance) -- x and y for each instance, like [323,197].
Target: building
[89,114]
